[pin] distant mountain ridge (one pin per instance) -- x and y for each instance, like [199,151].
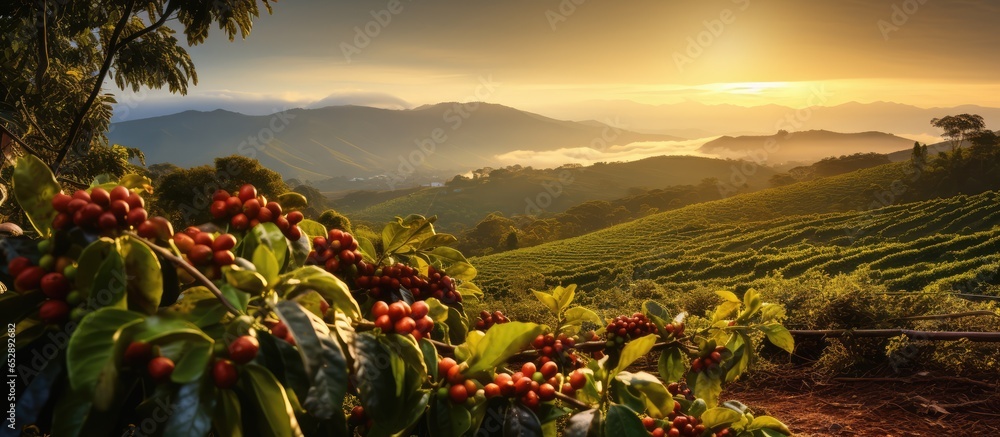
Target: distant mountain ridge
[359,141]
[694,120]
[805,146]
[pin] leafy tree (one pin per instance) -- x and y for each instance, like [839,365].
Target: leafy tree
[184,194]
[317,201]
[57,54]
[334,220]
[958,128]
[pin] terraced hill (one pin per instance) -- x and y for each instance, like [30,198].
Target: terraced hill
[790,230]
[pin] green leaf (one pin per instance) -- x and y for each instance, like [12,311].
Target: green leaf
[437,240]
[622,421]
[34,187]
[725,310]
[91,347]
[145,284]
[457,329]
[190,413]
[90,261]
[720,417]
[134,181]
[266,263]
[576,316]
[771,312]
[728,296]
[779,336]
[501,342]
[455,263]
[377,386]
[367,248]
[447,419]
[547,300]
[430,356]
[564,297]
[292,201]
[522,422]
[585,424]
[708,386]
[322,356]
[265,234]
[672,364]
[768,422]
[249,281]
[109,288]
[238,298]
[658,401]
[227,417]
[632,351]
[652,308]
[332,288]
[194,359]
[276,417]
[313,228]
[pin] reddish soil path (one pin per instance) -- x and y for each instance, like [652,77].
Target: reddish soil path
[920,406]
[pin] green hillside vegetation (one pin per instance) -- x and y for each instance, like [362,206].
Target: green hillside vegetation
[789,230]
[463,202]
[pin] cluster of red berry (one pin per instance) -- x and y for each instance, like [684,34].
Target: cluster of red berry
[280,330]
[676,329]
[460,390]
[531,385]
[487,319]
[590,336]
[557,350]
[677,424]
[241,351]
[99,210]
[709,361]
[680,389]
[139,354]
[625,328]
[380,281]
[205,250]
[53,281]
[401,318]
[337,251]
[245,209]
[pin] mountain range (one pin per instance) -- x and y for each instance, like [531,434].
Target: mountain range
[361,142]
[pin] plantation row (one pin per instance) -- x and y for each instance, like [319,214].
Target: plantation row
[950,242]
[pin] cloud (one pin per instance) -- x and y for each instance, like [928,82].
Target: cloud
[362,98]
[587,155]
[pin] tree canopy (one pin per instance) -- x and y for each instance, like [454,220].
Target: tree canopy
[958,128]
[56,54]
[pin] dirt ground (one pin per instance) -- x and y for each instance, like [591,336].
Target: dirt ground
[920,405]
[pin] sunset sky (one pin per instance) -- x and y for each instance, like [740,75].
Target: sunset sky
[539,57]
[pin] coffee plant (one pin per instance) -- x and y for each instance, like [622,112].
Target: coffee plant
[265,323]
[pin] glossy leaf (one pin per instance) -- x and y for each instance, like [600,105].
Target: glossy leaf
[768,422]
[634,350]
[276,417]
[446,419]
[313,228]
[547,300]
[658,401]
[501,342]
[226,416]
[90,261]
[91,346]
[585,424]
[109,288]
[455,263]
[266,263]
[779,336]
[322,356]
[720,417]
[622,421]
[521,422]
[191,412]
[34,187]
[672,364]
[145,282]
[332,288]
